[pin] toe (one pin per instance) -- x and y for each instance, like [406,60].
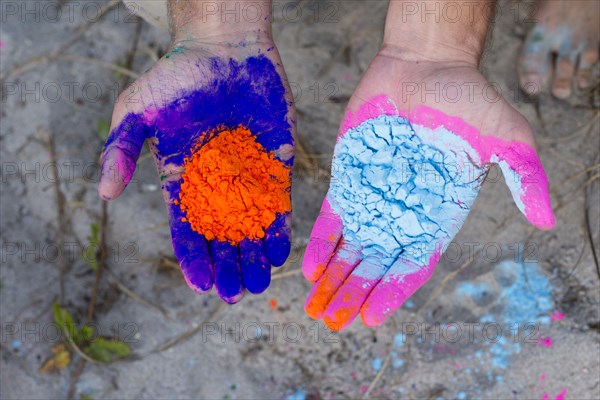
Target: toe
[534,62]
[586,62]
[563,77]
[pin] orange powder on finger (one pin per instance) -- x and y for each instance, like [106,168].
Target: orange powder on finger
[233,188]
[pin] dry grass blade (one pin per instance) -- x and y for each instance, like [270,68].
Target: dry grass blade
[134,295]
[188,334]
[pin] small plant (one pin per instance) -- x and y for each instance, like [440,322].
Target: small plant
[82,340]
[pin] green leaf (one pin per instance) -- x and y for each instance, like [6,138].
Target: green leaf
[107,350]
[103,129]
[87,333]
[65,323]
[90,253]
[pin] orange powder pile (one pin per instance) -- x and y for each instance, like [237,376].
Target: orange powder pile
[232,188]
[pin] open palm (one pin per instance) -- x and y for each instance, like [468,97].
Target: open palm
[185,103]
[409,161]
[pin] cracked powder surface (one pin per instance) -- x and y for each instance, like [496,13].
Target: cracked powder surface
[402,188]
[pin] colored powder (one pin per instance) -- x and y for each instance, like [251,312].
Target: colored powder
[562,395]
[397,362]
[297,395]
[399,339]
[232,188]
[475,291]
[525,298]
[557,316]
[376,363]
[400,187]
[529,298]
[547,342]
[273,303]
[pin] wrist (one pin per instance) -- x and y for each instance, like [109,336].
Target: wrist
[225,21]
[440,31]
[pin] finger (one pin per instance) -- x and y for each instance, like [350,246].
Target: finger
[563,76]
[228,273]
[325,235]
[191,248]
[256,269]
[584,73]
[399,283]
[120,154]
[278,239]
[525,177]
[342,263]
[534,62]
[346,303]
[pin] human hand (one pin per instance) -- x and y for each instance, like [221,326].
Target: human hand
[405,172]
[219,121]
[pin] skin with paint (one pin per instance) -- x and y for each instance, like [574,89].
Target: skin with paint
[356,273]
[569,30]
[216,79]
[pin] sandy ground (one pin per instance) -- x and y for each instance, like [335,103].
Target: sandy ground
[187,346]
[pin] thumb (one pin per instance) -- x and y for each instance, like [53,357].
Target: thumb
[120,154]
[525,177]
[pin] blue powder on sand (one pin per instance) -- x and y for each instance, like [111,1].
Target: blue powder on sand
[297,395]
[402,188]
[399,339]
[525,297]
[397,362]
[529,298]
[473,290]
[376,364]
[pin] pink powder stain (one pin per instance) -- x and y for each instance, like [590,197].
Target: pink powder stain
[380,105]
[348,77]
[458,366]
[562,395]
[150,115]
[1,44]
[326,233]
[547,342]
[394,289]
[363,389]
[557,316]
[520,157]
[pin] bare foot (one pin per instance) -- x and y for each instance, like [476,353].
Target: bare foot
[568,29]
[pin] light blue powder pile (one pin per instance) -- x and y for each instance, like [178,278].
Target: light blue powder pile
[401,188]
